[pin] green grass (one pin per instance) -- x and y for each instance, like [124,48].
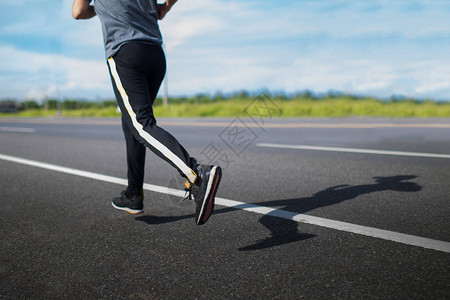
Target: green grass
[298,107]
[105,112]
[336,107]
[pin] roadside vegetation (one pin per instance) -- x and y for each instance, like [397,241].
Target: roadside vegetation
[237,105]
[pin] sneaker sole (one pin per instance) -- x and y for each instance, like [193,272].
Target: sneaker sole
[210,194]
[128,210]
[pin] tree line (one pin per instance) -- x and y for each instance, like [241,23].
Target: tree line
[69,104]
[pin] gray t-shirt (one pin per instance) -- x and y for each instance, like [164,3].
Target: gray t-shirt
[124,21]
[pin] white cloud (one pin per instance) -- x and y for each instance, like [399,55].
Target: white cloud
[201,19]
[31,74]
[362,48]
[81,33]
[370,47]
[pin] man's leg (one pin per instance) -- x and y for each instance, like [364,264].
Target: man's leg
[132,199]
[131,70]
[137,72]
[135,162]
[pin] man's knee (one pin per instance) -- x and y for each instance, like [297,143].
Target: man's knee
[144,115]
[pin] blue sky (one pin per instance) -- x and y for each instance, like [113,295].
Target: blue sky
[365,47]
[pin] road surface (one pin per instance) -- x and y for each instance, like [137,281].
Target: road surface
[307,208]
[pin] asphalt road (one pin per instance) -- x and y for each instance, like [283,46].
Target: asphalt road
[61,238]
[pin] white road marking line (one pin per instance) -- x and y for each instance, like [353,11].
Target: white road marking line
[407,239]
[17,129]
[301,218]
[354,150]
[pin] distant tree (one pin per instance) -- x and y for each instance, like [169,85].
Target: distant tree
[218,96]
[306,94]
[334,94]
[69,105]
[109,103]
[201,98]
[280,96]
[243,94]
[52,103]
[30,104]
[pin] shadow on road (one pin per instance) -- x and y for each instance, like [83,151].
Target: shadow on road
[284,231]
[155,220]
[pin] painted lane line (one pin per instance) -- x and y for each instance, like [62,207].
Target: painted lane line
[301,218]
[17,129]
[407,239]
[353,150]
[86,174]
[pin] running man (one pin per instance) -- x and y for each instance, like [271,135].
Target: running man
[137,66]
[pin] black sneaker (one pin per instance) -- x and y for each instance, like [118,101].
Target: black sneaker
[203,191]
[132,205]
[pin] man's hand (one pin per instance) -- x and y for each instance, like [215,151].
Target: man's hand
[164,8]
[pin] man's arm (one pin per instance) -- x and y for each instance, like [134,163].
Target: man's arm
[82,9]
[164,8]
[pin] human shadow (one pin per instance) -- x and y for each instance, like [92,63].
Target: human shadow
[283,231]
[157,220]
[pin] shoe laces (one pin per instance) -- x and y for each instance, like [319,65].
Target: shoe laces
[191,190]
[188,191]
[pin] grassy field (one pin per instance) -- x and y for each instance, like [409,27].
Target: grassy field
[297,107]
[338,107]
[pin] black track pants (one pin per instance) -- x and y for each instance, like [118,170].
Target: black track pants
[137,71]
